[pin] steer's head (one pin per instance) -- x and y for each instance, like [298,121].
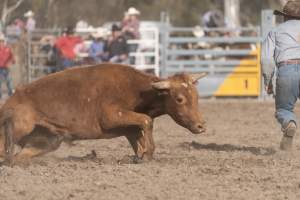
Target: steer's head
[181,100]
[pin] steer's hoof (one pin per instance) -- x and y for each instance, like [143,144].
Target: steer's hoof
[137,160]
[148,157]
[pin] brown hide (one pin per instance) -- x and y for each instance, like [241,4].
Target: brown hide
[73,100]
[102,101]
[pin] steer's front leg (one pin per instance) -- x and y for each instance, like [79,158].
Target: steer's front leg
[136,138]
[118,118]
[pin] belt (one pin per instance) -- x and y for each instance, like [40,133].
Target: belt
[288,62]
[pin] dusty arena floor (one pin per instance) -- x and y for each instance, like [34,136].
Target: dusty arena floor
[238,158]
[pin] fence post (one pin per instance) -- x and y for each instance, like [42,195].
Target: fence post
[164,43]
[267,22]
[28,44]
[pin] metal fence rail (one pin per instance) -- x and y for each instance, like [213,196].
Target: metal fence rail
[232,59]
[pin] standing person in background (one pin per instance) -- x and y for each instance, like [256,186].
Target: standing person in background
[30,22]
[131,29]
[117,46]
[282,48]
[65,46]
[131,24]
[6,58]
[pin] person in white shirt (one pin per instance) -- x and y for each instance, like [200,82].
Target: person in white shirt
[30,22]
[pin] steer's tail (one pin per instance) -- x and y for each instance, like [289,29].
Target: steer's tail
[6,125]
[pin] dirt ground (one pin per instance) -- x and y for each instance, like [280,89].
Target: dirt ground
[238,158]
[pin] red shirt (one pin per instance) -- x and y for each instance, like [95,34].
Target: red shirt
[6,56]
[66,45]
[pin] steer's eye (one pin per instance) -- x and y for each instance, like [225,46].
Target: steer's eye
[180,99]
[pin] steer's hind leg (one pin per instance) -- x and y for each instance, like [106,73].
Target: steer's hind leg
[18,125]
[2,153]
[39,142]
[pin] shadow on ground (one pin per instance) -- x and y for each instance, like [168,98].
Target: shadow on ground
[263,151]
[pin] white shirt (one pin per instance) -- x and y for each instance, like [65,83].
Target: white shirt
[30,24]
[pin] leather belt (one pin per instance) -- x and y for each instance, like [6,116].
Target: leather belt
[288,62]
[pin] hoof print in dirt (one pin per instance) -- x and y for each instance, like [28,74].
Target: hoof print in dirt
[130,160]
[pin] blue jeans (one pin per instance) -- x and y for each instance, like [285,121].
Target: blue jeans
[287,93]
[5,77]
[67,63]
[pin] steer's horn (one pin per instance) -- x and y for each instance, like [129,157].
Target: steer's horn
[161,85]
[197,76]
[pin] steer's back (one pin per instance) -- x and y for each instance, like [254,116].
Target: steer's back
[74,97]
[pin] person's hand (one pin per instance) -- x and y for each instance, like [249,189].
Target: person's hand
[123,57]
[269,89]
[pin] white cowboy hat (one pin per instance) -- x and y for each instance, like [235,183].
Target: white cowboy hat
[133,11]
[99,33]
[29,14]
[198,31]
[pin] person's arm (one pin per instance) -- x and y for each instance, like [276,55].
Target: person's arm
[267,61]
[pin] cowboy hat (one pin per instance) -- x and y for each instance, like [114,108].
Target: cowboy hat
[198,31]
[99,33]
[290,9]
[133,11]
[29,14]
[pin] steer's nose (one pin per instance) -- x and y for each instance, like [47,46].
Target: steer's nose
[199,128]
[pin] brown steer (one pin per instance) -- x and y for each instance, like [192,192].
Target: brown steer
[96,102]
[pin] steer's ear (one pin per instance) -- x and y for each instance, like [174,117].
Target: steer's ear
[197,76]
[161,85]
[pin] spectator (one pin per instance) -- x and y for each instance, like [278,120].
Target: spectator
[96,51]
[65,45]
[14,31]
[82,52]
[131,24]
[30,22]
[213,19]
[6,58]
[19,23]
[47,47]
[117,47]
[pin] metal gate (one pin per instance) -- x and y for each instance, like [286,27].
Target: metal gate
[231,57]
[37,52]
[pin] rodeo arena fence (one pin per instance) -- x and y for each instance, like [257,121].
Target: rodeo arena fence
[230,56]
